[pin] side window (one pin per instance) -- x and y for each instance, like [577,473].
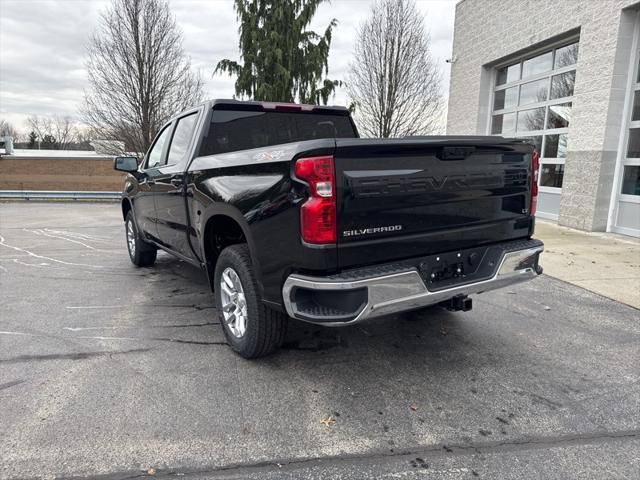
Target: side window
[155,154]
[181,140]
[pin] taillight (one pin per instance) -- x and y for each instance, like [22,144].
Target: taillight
[535,168]
[318,213]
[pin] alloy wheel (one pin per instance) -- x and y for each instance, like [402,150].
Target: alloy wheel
[234,303]
[131,238]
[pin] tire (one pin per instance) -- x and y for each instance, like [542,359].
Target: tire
[252,329]
[141,253]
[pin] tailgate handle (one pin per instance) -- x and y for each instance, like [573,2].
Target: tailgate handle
[455,153]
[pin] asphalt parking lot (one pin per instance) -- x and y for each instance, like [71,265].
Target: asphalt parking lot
[110,370]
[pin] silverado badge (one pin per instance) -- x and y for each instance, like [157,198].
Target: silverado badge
[367,231]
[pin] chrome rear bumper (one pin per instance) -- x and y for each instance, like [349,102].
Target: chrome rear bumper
[403,290]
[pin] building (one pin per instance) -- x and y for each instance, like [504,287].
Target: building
[59,170]
[566,75]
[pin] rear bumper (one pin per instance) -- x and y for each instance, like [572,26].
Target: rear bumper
[361,294]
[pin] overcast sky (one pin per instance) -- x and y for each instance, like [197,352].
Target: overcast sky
[43,42]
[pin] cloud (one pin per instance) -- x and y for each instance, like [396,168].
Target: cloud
[43,45]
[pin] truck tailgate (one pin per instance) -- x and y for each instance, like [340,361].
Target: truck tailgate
[410,197]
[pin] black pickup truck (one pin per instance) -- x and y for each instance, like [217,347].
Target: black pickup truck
[292,215]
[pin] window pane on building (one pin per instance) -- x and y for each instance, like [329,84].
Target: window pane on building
[508,74]
[555,146]
[498,100]
[551,175]
[531,119]
[559,115]
[631,180]
[635,114]
[505,98]
[562,85]
[566,56]
[532,82]
[535,139]
[534,92]
[633,149]
[503,123]
[535,65]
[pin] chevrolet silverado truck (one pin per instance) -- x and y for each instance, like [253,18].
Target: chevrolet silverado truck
[291,215]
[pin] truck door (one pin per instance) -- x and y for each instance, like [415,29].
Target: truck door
[171,208]
[144,205]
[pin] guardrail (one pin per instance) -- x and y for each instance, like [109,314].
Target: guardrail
[58,195]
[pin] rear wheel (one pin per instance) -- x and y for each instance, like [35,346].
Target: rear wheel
[141,253]
[251,328]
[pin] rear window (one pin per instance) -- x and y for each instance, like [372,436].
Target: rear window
[242,130]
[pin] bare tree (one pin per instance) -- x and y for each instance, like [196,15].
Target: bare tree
[393,81]
[38,126]
[64,130]
[138,73]
[82,137]
[8,130]
[59,130]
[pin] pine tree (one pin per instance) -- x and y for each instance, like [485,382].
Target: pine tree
[283,61]
[33,136]
[49,142]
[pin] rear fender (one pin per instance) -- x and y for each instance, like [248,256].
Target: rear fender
[216,209]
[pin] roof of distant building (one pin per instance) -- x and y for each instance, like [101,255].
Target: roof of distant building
[49,154]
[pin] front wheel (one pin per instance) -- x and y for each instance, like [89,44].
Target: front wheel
[141,253]
[252,329]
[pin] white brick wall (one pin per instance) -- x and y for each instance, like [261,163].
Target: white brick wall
[487,31]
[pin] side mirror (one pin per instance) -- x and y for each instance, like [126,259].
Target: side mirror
[125,164]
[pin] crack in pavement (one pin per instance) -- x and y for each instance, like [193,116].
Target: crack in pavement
[153,305]
[432,451]
[139,327]
[68,356]
[159,339]
[13,383]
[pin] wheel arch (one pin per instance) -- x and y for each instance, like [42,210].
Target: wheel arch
[224,226]
[126,207]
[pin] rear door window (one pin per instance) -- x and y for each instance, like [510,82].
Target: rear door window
[231,131]
[181,140]
[155,156]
